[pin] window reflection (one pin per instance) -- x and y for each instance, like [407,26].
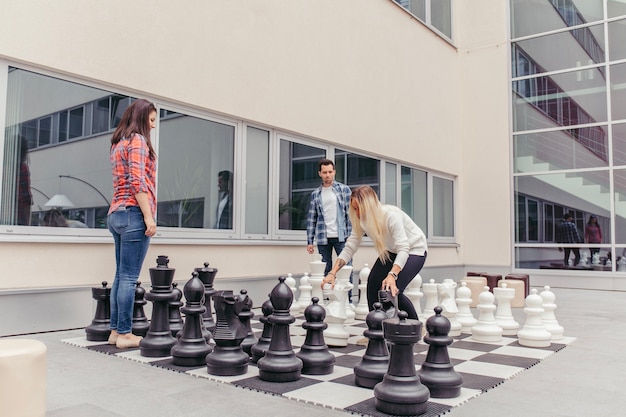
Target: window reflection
[537,16]
[618,91]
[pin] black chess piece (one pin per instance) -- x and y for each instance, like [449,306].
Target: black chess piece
[375,361]
[401,393]
[159,340]
[437,372]
[314,353]
[246,315]
[192,348]
[258,350]
[175,318]
[100,327]
[140,321]
[227,358]
[280,363]
[207,276]
[389,303]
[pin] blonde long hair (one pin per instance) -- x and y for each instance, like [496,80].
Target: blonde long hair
[371,216]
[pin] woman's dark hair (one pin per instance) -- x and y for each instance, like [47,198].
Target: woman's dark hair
[136,119]
[593,217]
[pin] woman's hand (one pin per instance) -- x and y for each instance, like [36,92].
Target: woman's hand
[389,284]
[150,227]
[329,279]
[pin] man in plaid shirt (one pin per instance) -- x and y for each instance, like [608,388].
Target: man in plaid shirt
[328,221]
[567,232]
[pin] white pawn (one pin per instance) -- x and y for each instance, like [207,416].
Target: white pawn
[548,317]
[317,268]
[291,283]
[504,315]
[464,315]
[305,292]
[534,332]
[431,291]
[448,304]
[412,291]
[343,279]
[486,329]
[362,308]
[335,334]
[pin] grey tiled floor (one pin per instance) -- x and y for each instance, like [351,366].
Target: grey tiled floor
[585,379]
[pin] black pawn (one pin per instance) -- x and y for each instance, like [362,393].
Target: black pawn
[100,327]
[192,348]
[159,340]
[207,276]
[175,318]
[140,321]
[280,363]
[375,362]
[401,393]
[227,358]
[437,372]
[258,350]
[246,316]
[315,356]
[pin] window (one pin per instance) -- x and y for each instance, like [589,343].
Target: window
[436,14]
[443,207]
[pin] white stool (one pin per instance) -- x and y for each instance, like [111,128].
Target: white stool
[22,378]
[519,300]
[476,285]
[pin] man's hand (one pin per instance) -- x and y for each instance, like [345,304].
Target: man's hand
[310,249]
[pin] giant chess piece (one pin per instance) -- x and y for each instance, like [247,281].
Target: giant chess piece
[548,317]
[207,276]
[258,350]
[140,321]
[246,315]
[504,315]
[413,291]
[317,268]
[437,372]
[315,356]
[280,363]
[291,283]
[534,332]
[362,308]
[305,292]
[175,318]
[464,315]
[447,302]
[192,348]
[375,362]
[227,357]
[343,280]
[431,292]
[486,329]
[401,393]
[100,327]
[159,340]
[336,333]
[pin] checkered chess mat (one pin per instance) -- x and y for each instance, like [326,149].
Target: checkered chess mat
[482,365]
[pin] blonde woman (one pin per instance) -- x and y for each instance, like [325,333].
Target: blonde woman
[400,243]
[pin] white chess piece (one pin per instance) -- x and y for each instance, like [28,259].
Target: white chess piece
[486,329]
[335,334]
[412,291]
[504,315]
[362,308]
[317,268]
[305,292]
[534,332]
[291,283]
[548,317]
[447,302]
[343,280]
[431,292]
[463,301]
[621,264]
[595,259]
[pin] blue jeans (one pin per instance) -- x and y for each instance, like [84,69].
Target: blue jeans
[131,244]
[327,256]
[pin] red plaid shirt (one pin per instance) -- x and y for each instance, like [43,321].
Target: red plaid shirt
[133,172]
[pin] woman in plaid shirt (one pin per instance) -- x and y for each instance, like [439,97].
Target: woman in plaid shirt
[131,217]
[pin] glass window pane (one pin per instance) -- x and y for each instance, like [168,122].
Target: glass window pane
[297,179]
[34,105]
[541,257]
[441,16]
[619,144]
[443,207]
[414,190]
[560,100]
[100,122]
[537,16]
[257,183]
[391,194]
[617,34]
[561,149]
[196,159]
[355,169]
[616,8]
[618,91]
[619,178]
